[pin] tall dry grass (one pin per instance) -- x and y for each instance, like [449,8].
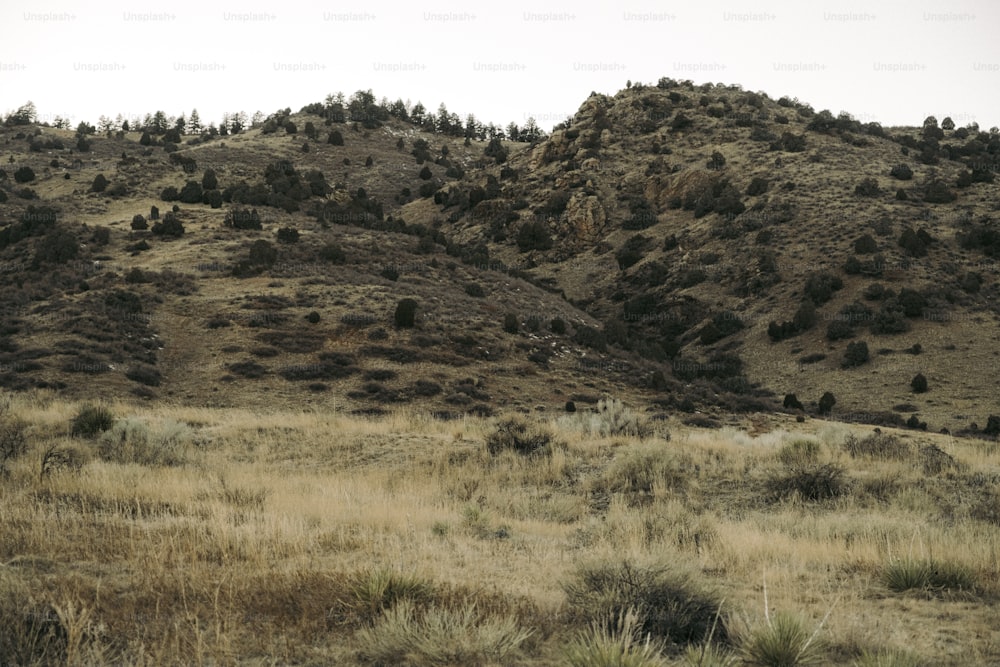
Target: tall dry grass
[250,547]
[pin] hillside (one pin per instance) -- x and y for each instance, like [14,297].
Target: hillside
[705,248]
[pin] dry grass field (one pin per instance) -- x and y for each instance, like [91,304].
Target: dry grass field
[185,535]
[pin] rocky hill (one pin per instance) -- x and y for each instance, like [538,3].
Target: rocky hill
[688,248]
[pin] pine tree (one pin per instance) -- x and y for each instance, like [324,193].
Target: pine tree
[194,123]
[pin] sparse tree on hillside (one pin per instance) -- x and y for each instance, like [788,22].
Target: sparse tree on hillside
[158,124]
[104,124]
[418,114]
[948,124]
[194,123]
[26,114]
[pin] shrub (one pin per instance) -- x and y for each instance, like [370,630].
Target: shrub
[519,437]
[810,482]
[937,192]
[799,453]
[614,418]
[792,402]
[405,313]
[191,193]
[826,403]
[56,247]
[912,243]
[425,173]
[758,186]
[24,174]
[632,251]
[335,138]
[820,286]
[169,193]
[131,440]
[888,657]
[877,445]
[146,375]
[557,326]
[838,329]
[332,253]
[100,183]
[91,420]
[865,245]
[868,187]
[139,222]
[856,354]
[668,604]
[901,172]
[783,641]
[262,253]
[241,218]
[919,383]
[534,236]
[169,226]
[154,213]
[288,235]
[511,323]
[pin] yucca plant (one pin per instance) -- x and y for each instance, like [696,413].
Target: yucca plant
[615,644]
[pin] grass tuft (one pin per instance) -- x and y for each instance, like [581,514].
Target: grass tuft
[783,641]
[901,575]
[405,634]
[622,646]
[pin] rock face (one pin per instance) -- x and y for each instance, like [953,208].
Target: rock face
[585,220]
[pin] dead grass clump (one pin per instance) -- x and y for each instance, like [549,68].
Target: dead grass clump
[799,452]
[641,472]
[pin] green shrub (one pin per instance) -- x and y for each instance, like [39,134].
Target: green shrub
[511,323]
[669,605]
[91,420]
[100,183]
[520,437]
[919,383]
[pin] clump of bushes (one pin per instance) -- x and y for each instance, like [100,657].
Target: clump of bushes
[901,172]
[169,226]
[919,383]
[520,437]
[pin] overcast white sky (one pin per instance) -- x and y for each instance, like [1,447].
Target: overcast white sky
[892,62]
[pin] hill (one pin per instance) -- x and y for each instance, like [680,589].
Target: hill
[691,248]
